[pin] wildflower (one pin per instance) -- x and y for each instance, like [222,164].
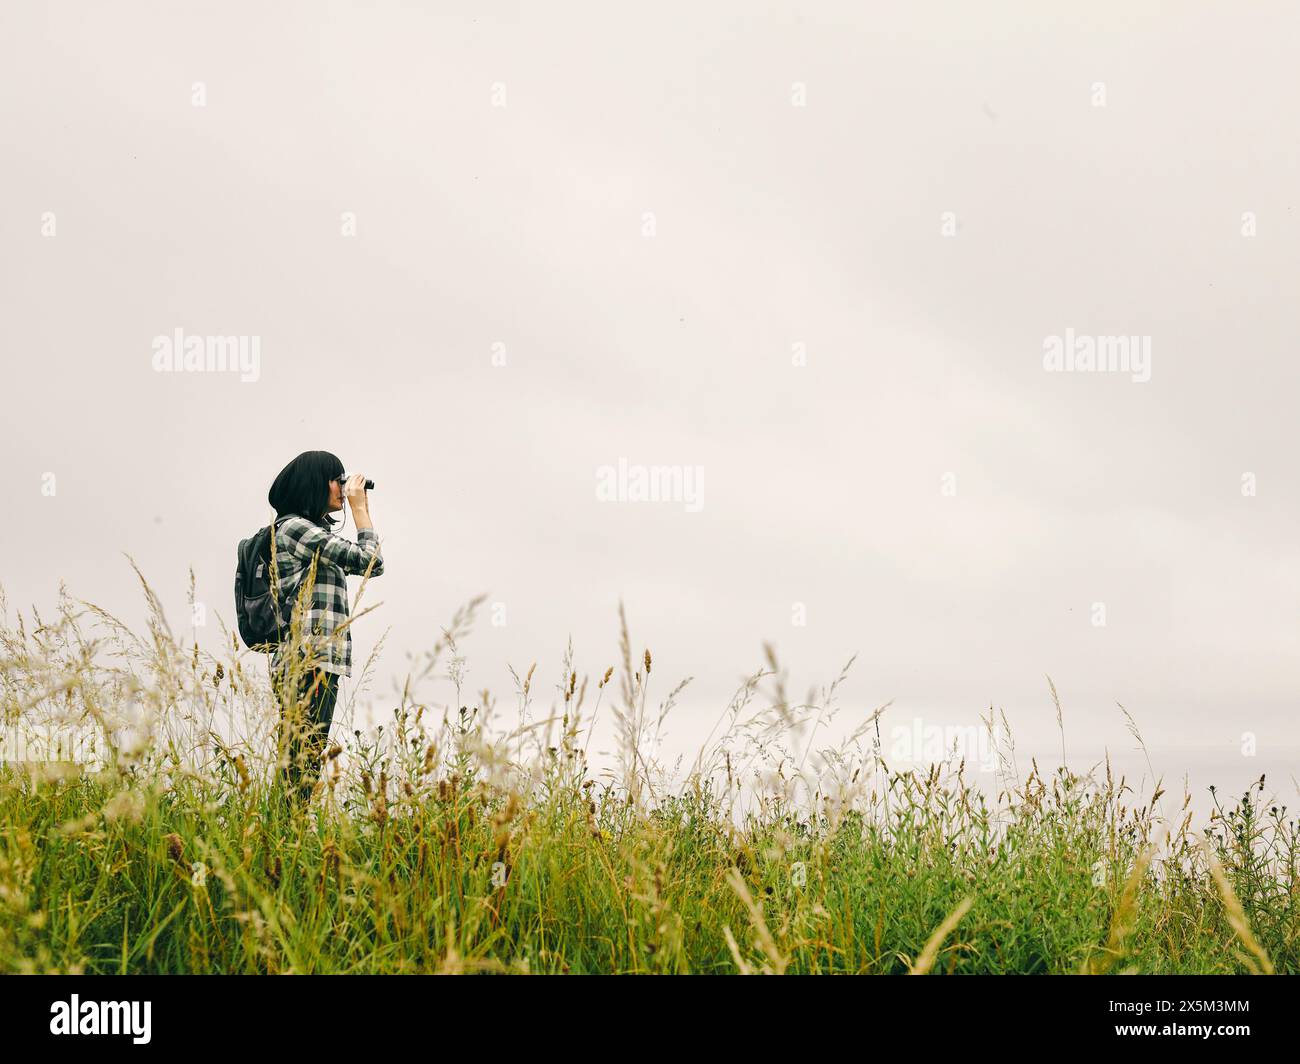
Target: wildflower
[126,804]
[1100,872]
[175,847]
[198,874]
[243,772]
[331,862]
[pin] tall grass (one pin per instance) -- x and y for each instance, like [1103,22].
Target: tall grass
[454,839]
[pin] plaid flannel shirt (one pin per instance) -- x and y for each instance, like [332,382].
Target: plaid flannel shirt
[297,541]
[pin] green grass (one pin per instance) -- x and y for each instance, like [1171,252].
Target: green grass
[464,846]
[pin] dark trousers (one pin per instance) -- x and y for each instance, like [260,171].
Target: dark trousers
[304,729]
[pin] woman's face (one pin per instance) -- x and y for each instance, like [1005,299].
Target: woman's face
[336,494]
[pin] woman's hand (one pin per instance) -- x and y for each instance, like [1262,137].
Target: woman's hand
[355,492]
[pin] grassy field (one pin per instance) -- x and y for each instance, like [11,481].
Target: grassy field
[450,841]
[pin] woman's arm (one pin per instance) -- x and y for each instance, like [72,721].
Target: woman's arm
[306,539]
[355,492]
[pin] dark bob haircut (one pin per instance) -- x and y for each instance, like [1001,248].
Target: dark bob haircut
[303,487]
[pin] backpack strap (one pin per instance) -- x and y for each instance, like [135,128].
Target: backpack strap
[286,596]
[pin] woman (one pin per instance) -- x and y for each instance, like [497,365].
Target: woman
[306,492]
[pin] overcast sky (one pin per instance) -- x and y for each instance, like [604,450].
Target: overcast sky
[652,220]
